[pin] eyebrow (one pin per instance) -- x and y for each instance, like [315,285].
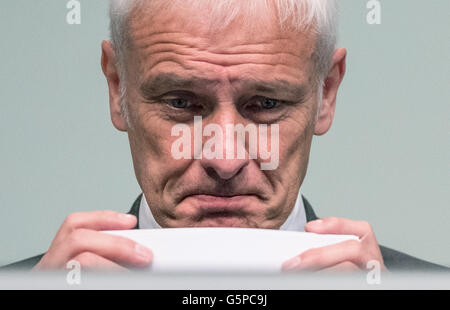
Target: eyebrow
[277,87]
[165,82]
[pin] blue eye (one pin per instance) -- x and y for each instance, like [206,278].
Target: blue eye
[268,103]
[178,103]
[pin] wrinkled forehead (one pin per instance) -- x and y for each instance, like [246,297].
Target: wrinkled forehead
[233,21]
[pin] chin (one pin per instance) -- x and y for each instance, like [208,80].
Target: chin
[224,222]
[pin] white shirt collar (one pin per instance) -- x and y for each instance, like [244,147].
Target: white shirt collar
[295,222]
[146,219]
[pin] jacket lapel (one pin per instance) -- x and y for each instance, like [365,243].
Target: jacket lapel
[135,209]
[310,215]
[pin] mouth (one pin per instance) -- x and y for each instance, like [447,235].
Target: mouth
[221,210]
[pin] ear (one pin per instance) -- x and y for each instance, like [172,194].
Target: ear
[330,89]
[112,77]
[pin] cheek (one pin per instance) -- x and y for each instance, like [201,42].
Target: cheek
[151,134]
[151,144]
[295,143]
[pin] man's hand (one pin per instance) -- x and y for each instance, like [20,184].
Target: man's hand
[79,238]
[349,255]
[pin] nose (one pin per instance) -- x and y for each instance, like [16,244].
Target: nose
[231,154]
[224,169]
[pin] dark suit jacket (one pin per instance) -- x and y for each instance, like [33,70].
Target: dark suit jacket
[393,260]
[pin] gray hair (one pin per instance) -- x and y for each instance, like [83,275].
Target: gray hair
[319,15]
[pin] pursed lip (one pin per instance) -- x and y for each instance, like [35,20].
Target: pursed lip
[221,206]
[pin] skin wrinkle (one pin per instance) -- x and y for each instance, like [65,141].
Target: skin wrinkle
[162,83]
[236,49]
[148,39]
[148,33]
[174,58]
[151,49]
[154,50]
[244,48]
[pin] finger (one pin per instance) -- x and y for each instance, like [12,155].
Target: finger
[98,220]
[328,256]
[341,226]
[345,267]
[94,262]
[120,250]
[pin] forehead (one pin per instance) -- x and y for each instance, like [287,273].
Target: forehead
[206,41]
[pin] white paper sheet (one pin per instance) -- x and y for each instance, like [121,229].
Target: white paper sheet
[241,250]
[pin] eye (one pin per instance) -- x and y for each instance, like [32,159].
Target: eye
[264,110]
[183,103]
[268,103]
[261,104]
[178,103]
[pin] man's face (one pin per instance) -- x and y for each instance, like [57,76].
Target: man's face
[178,69]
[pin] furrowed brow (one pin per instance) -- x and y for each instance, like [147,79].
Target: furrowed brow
[281,87]
[165,82]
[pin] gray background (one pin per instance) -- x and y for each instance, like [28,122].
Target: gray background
[385,159]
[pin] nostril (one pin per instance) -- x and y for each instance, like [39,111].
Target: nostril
[212,173]
[218,174]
